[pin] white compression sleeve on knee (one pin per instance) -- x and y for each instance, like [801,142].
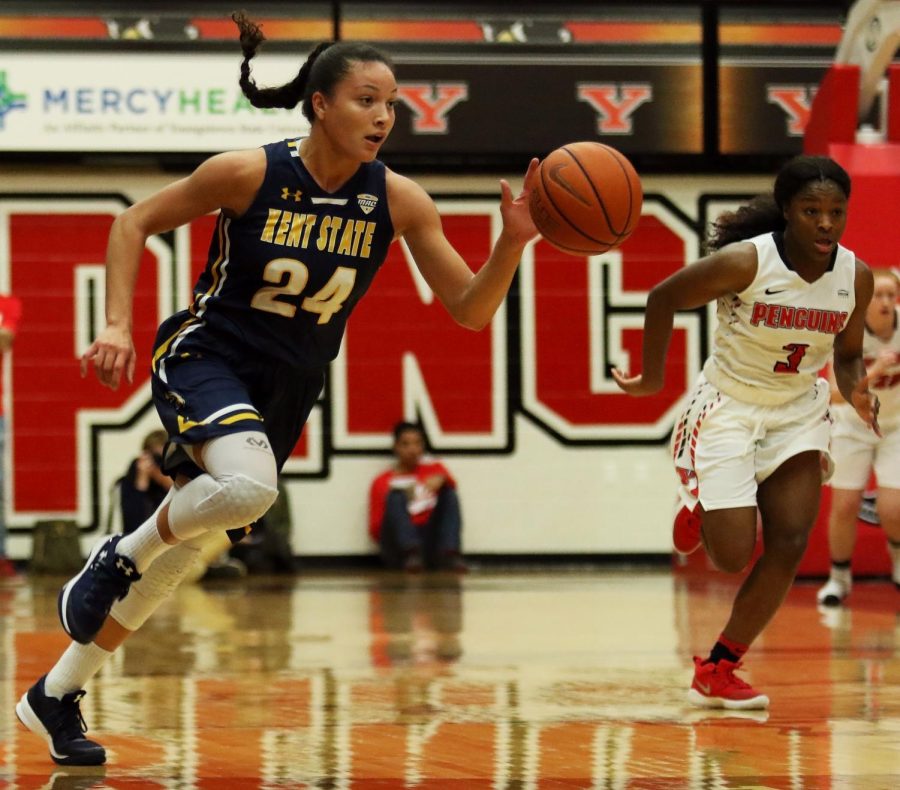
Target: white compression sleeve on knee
[239,486]
[158,582]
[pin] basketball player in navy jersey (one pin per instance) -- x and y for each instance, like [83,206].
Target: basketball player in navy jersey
[303,226]
[755,435]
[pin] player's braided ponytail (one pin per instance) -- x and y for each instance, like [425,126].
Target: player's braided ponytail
[287,96]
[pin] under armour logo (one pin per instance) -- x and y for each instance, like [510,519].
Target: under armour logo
[257,443]
[124,566]
[286,193]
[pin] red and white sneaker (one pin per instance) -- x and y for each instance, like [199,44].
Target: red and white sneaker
[716,686]
[686,531]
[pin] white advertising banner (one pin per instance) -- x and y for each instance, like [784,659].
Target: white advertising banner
[137,102]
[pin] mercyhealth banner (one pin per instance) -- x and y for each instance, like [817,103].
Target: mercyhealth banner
[138,102]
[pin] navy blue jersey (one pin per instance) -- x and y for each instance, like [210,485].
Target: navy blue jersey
[282,279]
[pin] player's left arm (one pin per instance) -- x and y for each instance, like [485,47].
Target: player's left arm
[472,299]
[849,368]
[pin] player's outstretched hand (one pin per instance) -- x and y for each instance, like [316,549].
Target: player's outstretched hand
[517,222]
[112,355]
[635,385]
[866,402]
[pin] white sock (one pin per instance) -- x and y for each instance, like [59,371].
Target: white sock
[74,669]
[842,575]
[143,545]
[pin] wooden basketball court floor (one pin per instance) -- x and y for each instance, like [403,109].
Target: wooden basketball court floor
[527,679]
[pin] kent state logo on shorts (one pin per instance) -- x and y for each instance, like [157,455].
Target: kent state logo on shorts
[9,100]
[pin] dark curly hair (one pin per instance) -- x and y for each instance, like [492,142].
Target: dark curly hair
[765,213]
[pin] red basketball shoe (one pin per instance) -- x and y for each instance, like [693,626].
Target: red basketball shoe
[686,531]
[716,686]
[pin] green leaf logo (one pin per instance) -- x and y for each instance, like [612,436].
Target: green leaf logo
[9,100]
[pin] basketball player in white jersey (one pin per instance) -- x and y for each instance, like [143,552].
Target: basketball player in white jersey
[755,435]
[858,451]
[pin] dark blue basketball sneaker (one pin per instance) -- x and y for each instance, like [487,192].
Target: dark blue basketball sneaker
[85,600]
[60,723]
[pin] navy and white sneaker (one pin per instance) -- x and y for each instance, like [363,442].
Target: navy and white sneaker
[85,600]
[60,723]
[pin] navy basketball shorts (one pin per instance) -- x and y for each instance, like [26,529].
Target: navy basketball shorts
[204,387]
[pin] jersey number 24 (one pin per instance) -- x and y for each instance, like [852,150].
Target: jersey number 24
[328,300]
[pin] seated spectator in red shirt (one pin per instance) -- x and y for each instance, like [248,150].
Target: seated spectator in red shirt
[414,513]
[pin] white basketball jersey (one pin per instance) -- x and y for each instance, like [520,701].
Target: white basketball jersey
[887,386]
[774,337]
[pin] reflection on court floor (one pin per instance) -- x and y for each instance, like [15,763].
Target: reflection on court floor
[493,680]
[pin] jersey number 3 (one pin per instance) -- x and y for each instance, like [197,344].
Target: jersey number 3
[325,302]
[796,352]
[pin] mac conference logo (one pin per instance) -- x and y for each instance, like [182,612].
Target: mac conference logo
[9,100]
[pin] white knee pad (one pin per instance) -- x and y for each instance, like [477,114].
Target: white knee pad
[222,503]
[239,486]
[157,583]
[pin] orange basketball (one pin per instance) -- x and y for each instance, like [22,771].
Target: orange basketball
[586,199]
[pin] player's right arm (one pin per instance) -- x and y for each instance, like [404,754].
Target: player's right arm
[849,370]
[226,181]
[729,270]
[470,298]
